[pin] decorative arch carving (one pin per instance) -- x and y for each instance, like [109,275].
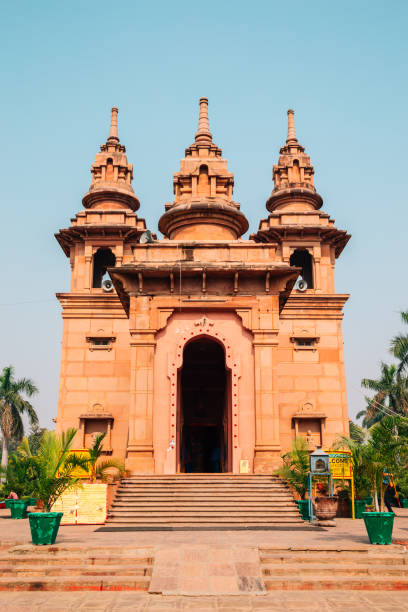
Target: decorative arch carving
[199,329]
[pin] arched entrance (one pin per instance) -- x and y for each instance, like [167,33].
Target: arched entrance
[204,420]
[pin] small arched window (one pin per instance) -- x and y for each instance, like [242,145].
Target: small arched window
[203,187]
[109,170]
[102,260]
[295,172]
[301,258]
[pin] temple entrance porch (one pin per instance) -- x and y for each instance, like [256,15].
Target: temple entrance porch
[204,412]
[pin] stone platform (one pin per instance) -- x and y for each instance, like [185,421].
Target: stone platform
[205,567]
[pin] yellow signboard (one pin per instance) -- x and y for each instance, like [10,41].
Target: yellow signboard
[341,464]
[86,505]
[244,466]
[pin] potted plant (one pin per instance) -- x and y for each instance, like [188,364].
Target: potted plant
[294,470]
[19,480]
[325,509]
[53,467]
[383,448]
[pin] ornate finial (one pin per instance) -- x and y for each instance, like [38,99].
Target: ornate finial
[291,126]
[203,132]
[113,132]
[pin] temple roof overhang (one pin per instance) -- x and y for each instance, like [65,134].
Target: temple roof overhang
[270,231]
[80,233]
[187,278]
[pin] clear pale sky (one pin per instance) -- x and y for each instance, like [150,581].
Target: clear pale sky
[343,68]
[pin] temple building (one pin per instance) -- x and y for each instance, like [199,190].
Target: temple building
[202,351]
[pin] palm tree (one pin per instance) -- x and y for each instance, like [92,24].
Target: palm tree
[12,407]
[295,466]
[399,346]
[101,469]
[391,391]
[54,467]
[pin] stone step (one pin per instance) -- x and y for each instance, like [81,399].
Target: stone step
[206,476]
[247,505]
[209,520]
[59,559]
[204,495]
[28,571]
[76,583]
[344,557]
[353,569]
[321,582]
[217,490]
[181,511]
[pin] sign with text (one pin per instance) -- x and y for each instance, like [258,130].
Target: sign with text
[341,464]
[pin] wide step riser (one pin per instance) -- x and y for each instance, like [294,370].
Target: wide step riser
[79,571]
[203,500]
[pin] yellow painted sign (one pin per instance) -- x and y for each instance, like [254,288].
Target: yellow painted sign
[341,464]
[244,466]
[86,504]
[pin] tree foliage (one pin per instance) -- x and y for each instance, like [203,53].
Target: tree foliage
[13,406]
[54,467]
[295,466]
[100,468]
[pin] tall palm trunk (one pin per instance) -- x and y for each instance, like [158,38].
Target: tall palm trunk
[4,456]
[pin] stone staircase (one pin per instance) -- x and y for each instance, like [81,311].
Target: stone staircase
[369,568]
[203,501]
[74,568]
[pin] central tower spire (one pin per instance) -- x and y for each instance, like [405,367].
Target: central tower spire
[203,207]
[291,127]
[203,132]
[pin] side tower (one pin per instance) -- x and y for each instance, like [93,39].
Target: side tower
[94,391]
[310,371]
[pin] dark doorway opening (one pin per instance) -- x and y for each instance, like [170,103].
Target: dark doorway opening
[301,258]
[204,419]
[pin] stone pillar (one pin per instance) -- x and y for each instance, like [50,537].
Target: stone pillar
[265,342]
[140,457]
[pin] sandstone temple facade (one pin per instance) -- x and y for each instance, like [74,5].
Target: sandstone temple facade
[202,351]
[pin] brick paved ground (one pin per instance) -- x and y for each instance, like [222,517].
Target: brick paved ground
[347,532]
[329,601]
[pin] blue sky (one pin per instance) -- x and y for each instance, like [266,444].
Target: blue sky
[341,66]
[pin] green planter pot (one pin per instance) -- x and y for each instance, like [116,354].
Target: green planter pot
[8,503]
[303,505]
[404,503]
[19,509]
[379,526]
[359,508]
[44,527]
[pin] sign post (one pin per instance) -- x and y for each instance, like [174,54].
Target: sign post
[341,467]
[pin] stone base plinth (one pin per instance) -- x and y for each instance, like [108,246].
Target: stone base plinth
[139,461]
[267,461]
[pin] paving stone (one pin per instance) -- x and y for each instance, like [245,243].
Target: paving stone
[195,554]
[223,584]
[221,569]
[192,569]
[194,585]
[247,569]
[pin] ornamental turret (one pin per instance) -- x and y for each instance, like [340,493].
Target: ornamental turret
[293,176]
[203,207]
[111,175]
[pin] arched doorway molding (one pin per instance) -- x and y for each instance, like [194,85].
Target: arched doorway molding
[200,329]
